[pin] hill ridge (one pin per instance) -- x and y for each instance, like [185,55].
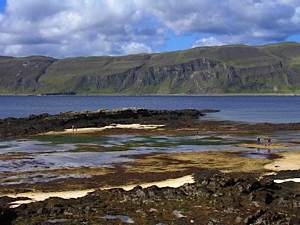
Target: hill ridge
[272,68]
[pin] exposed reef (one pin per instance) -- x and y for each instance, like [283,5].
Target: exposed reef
[214,198]
[34,124]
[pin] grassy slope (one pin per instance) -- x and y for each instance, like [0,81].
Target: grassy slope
[70,74]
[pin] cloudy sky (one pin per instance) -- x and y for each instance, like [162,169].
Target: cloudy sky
[63,28]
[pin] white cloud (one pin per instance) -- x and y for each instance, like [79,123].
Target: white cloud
[210,41]
[96,27]
[134,47]
[249,21]
[74,27]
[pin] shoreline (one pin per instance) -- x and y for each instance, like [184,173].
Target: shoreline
[226,186]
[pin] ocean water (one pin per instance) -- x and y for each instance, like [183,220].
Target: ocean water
[276,109]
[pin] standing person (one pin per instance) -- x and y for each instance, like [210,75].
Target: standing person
[258,140]
[266,141]
[269,141]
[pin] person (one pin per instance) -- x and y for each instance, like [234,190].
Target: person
[269,141]
[258,140]
[265,141]
[73,128]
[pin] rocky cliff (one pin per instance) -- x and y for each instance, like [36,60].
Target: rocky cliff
[223,69]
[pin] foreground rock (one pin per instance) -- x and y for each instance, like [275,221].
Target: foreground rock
[12,127]
[215,198]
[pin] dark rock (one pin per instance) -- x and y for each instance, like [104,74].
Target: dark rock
[220,203]
[263,196]
[12,127]
[272,218]
[252,218]
[7,215]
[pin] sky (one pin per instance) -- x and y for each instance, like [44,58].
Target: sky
[66,28]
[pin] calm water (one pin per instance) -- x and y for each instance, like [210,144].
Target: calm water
[238,108]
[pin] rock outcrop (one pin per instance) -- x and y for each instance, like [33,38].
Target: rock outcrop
[12,127]
[215,198]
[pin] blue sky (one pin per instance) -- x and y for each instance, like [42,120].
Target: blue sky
[177,42]
[2,5]
[117,27]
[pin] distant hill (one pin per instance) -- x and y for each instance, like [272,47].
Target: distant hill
[271,68]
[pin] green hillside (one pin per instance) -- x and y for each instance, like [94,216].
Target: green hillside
[205,70]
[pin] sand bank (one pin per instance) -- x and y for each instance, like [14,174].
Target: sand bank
[287,180]
[113,126]
[288,161]
[175,183]
[41,196]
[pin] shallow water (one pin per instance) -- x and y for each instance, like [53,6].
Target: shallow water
[45,153]
[122,218]
[32,146]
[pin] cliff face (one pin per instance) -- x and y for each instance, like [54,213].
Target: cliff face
[21,75]
[225,69]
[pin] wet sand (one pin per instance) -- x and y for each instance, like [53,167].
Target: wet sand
[289,161]
[225,161]
[151,168]
[266,146]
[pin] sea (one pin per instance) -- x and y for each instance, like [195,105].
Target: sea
[253,109]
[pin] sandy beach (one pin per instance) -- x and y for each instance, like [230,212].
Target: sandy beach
[288,161]
[87,130]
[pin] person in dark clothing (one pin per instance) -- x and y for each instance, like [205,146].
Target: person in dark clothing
[258,140]
[269,141]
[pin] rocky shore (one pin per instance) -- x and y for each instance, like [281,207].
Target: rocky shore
[171,119]
[214,198]
[34,124]
[231,187]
